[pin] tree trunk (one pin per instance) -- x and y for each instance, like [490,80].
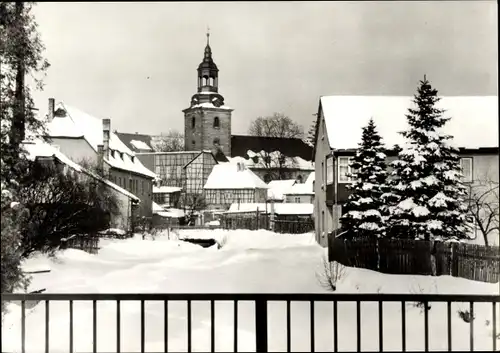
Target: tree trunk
[17,132]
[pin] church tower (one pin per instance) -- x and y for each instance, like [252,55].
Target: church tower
[207,122]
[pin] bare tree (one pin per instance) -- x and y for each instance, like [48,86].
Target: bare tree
[483,206]
[61,203]
[331,274]
[173,141]
[280,126]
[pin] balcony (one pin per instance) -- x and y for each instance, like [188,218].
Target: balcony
[261,317]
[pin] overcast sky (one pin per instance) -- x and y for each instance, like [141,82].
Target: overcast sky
[272,56]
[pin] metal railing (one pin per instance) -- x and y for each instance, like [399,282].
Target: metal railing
[261,314]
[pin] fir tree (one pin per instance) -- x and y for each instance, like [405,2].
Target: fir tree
[426,197]
[362,217]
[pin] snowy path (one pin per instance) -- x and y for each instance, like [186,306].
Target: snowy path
[249,262]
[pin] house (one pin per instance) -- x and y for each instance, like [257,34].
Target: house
[167,196]
[273,158]
[187,170]
[276,188]
[89,140]
[301,193]
[474,125]
[43,152]
[230,183]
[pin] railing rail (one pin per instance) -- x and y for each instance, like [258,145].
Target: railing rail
[261,301]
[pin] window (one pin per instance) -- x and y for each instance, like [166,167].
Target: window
[130,185]
[323,225]
[299,179]
[193,122]
[344,169]
[193,142]
[120,181]
[297,199]
[329,170]
[142,187]
[466,166]
[323,177]
[216,122]
[216,141]
[136,186]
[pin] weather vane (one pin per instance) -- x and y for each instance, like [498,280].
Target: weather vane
[208,35]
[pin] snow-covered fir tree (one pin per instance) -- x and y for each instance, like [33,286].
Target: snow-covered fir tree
[362,216]
[425,200]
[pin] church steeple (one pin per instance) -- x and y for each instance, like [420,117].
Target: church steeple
[208,71]
[207,121]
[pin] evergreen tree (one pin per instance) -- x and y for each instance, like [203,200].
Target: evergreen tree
[20,54]
[426,197]
[363,217]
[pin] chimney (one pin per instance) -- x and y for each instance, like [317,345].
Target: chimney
[51,109]
[100,159]
[106,128]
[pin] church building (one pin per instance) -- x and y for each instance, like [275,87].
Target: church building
[208,141]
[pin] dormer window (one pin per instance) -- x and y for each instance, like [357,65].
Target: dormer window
[216,122]
[112,153]
[121,155]
[132,158]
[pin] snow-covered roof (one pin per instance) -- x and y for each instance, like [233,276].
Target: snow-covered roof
[38,148]
[278,187]
[474,120]
[300,189]
[157,208]
[279,208]
[233,176]
[256,160]
[140,145]
[166,189]
[310,179]
[171,213]
[79,124]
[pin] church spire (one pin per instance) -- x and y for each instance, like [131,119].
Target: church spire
[207,70]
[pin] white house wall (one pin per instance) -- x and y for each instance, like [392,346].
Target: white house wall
[320,208]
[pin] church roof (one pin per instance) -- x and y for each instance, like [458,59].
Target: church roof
[290,147]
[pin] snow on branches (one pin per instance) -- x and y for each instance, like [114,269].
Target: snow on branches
[362,216]
[425,198]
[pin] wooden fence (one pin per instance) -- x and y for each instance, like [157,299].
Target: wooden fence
[402,256]
[248,220]
[261,220]
[85,242]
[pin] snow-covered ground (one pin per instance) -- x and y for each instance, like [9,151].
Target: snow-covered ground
[249,262]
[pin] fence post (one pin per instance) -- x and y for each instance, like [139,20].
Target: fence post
[261,325]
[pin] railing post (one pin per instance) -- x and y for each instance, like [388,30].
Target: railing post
[261,325]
